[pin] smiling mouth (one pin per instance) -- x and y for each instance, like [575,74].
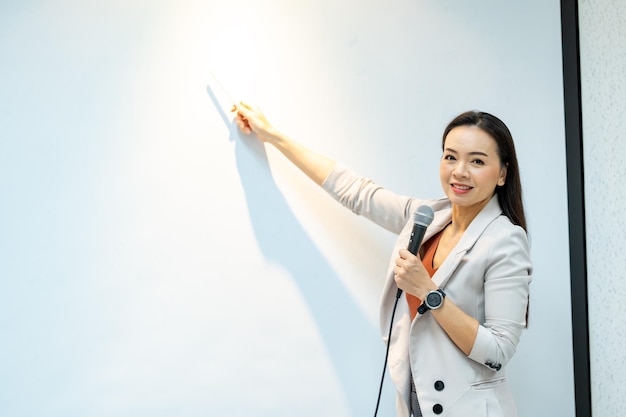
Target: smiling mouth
[461,187]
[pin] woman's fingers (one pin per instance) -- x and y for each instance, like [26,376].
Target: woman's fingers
[251,119]
[241,118]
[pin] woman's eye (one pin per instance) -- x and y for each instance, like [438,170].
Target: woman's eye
[478,162]
[449,158]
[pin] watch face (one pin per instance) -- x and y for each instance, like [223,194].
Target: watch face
[433,299]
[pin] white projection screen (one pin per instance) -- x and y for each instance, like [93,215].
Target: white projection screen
[156,262]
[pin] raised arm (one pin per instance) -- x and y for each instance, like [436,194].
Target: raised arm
[250,119]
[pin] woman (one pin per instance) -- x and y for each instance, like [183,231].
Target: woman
[447,356]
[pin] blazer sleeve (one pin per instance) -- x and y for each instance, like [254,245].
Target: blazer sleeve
[508,273]
[364,197]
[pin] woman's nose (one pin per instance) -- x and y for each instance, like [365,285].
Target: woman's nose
[460,170]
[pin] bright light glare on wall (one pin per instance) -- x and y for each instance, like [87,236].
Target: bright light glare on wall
[235,49]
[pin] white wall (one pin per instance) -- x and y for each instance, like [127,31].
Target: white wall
[603,65]
[151,262]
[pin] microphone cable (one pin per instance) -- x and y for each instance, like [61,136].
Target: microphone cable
[382,378]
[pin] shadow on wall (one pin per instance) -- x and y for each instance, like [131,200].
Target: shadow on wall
[281,238]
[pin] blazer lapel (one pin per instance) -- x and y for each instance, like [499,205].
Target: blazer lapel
[476,228]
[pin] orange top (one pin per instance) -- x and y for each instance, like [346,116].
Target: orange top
[430,248]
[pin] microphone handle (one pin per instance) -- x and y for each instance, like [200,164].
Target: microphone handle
[417,235]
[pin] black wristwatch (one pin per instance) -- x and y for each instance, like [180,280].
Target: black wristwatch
[433,300]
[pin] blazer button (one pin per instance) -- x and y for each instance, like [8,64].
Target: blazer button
[437,409]
[439,385]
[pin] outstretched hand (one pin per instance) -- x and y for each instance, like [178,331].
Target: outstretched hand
[251,119]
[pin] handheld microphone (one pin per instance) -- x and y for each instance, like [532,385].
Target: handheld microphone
[422,218]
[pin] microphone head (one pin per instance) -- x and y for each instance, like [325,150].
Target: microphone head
[424,216]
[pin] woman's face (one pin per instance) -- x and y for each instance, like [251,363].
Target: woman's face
[470,168]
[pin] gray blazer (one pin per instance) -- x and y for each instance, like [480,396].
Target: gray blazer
[487,275]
